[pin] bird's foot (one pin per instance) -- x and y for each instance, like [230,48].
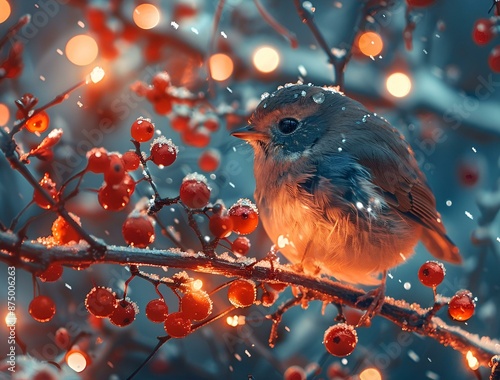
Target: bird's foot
[377,297]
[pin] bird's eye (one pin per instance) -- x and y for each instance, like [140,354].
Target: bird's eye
[288,125]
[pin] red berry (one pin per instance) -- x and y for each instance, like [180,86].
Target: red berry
[63,233]
[340,339]
[124,313]
[38,123]
[52,273]
[96,18]
[62,338]
[269,298]
[194,191]
[163,106]
[157,310]
[138,230]
[142,130]
[100,302]
[199,137]
[242,293]
[161,81]
[245,216]
[461,306]
[212,124]
[182,10]
[420,3]
[42,308]
[277,286]
[209,160]
[113,198]
[494,59]
[220,225]
[98,160]
[50,187]
[180,123]
[483,31]
[241,245]
[469,172]
[163,151]
[131,161]
[196,305]
[431,273]
[128,184]
[294,373]
[177,325]
[115,172]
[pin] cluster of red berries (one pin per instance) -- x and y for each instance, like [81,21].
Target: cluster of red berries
[118,185]
[485,29]
[461,306]
[193,122]
[102,303]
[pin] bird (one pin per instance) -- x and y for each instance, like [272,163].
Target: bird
[338,189]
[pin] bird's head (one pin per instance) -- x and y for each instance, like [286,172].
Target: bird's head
[291,122]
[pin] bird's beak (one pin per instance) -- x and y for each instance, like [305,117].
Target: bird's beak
[249,133]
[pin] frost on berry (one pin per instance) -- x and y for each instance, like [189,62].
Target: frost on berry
[177,325]
[42,308]
[50,188]
[157,310]
[461,306]
[63,233]
[194,191]
[245,216]
[124,313]
[163,151]
[340,339]
[196,305]
[139,230]
[242,293]
[431,273]
[101,302]
[142,129]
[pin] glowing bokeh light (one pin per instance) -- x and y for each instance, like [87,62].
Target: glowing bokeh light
[221,66]
[370,374]
[266,59]
[370,44]
[472,361]
[4,114]
[398,85]
[82,50]
[76,360]
[97,74]
[146,16]
[10,319]
[197,285]
[4,10]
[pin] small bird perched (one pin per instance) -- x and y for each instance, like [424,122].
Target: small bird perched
[337,187]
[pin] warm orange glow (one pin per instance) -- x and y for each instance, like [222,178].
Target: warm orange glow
[221,66]
[97,74]
[82,50]
[197,285]
[266,59]
[370,44]
[472,361]
[38,123]
[146,16]
[370,374]
[398,85]
[10,319]
[77,360]
[4,114]
[4,10]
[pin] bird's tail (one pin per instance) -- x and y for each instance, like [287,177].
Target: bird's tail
[440,246]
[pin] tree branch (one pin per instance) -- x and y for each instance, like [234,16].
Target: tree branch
[411,318]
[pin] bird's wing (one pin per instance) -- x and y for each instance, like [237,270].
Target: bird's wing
[394,170]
